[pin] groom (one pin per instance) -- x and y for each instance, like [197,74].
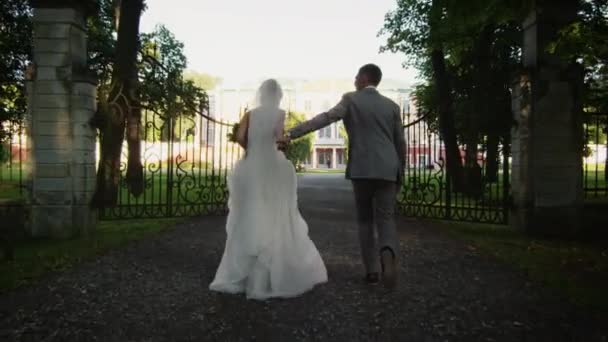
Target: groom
[376,160]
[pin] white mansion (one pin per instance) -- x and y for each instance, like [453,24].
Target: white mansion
[310,98]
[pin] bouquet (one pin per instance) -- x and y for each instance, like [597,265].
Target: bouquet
[232,135]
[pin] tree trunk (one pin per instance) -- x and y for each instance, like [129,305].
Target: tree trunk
[492,158]
[446,120]
[127,48]
[472,170]
[121,112]
[111,124]
[606,162]
[481,97]
[135,173]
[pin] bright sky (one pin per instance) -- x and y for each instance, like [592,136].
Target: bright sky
[242,40]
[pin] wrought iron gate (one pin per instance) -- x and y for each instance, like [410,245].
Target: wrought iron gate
[427,192]
[14,172]
[186,162]
[595,157]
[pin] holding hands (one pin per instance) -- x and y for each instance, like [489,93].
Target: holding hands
[283,142]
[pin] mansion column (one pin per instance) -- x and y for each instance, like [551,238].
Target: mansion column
[334,158]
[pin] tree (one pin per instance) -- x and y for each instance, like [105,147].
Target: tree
[121,112]
[113,50]
[166,89]
[586,40]
[101,43]
[15,53]
[299,149]
[154,81]
[456,46]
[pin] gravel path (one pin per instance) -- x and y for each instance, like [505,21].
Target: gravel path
[156,290]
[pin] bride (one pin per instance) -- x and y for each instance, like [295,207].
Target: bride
[268,252]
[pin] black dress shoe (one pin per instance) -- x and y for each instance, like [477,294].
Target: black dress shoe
[372,278]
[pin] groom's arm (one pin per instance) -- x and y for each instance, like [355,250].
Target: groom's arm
[324,119]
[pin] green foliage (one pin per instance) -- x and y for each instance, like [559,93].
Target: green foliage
[162,45]
[164,88]
[480,72]
[202,80]
[414,30]
[587,41]
[587,151]
[4,152]
[15,53]
[101,42]
[467,53]
[301,148]
[597,134]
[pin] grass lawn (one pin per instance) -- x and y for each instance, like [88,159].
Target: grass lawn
[321,171]
[36,258]
[9,190]
[9,182]
[577,270]
[595,180]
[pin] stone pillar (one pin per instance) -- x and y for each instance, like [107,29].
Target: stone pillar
[62,102]
[314,160]
[547,138]
[334,158]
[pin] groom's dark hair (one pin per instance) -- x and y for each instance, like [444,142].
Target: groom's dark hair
[373,73]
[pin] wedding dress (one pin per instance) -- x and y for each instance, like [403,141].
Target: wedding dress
[268,252]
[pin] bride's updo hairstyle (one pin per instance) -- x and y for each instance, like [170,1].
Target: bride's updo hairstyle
[270,93]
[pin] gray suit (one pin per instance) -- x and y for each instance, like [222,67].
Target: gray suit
[376,160]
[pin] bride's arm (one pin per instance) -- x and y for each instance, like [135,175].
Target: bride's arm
[241,133]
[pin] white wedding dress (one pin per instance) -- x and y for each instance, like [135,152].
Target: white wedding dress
[268,252]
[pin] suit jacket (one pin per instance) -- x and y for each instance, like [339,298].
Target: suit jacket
[376,145]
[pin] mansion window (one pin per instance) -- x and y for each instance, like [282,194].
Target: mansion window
[340,156]
[423,160]
[325,132]
[324,157]
[326,105]
[308,106]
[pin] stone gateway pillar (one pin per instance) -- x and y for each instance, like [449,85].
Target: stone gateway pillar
[61,103]
[547,139]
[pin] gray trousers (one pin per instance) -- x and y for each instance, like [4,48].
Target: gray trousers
[375,200]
